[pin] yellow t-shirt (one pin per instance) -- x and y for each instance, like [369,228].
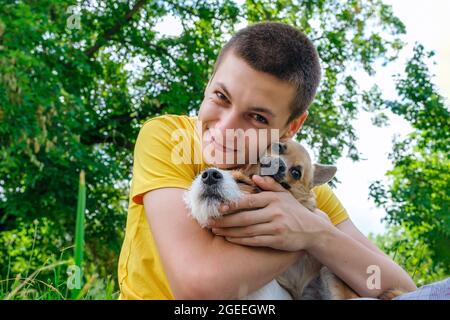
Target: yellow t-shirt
[157,165]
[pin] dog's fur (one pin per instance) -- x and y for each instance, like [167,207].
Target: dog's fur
[308,278]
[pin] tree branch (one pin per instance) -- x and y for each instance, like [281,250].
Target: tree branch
[114,29]
[99,139]
[94,136]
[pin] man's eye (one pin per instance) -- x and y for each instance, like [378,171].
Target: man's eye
[220,96]
[260,118]
[296,173]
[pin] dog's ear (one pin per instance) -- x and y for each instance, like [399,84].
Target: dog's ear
[323,173]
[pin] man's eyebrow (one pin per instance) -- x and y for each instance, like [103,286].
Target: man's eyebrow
[257,109]
[224,88]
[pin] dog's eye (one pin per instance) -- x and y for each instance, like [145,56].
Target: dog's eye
[296,173]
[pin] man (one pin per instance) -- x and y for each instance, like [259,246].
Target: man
[265,77]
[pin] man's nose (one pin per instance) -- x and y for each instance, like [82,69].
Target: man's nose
[229,121]
[211,177]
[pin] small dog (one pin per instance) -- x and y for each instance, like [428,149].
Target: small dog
[290,165]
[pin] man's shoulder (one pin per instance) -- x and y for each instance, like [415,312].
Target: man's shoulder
[173,121]
[170,135]
[322,189]
[325,196]
[168,129]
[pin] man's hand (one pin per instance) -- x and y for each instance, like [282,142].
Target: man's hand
[272,218]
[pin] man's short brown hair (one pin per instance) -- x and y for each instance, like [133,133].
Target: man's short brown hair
[282,51]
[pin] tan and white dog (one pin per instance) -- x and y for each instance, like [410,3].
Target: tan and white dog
[290,165]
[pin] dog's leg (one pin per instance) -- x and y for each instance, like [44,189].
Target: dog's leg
[300,275]
[390,294]
[333,288]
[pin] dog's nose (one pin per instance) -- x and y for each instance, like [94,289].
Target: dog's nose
[273,166]
[281,167]
[211,176]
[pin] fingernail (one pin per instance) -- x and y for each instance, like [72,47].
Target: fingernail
[224,208]
[210,222]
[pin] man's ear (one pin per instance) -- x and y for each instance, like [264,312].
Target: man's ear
[294,126]
[323,173]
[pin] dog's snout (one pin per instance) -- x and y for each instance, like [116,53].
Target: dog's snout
[211,176]
[281,167]
[266,163]
[276,165]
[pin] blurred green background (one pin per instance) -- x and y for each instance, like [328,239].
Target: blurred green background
[77,79]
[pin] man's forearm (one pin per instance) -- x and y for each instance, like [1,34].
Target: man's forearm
[353,263]
[239,270]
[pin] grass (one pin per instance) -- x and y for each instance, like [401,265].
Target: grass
[32,288]
[79,233]
[64,278]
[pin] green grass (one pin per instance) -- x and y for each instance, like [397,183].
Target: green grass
[50,281]
[79,231]
[32,288]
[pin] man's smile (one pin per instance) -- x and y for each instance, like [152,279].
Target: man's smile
[221,147]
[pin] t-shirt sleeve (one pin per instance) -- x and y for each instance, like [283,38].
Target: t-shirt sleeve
[330,204]
[154,164]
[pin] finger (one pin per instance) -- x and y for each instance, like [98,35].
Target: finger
[248,201]
[257,241]
[267,183]
[241,219]
[247,231]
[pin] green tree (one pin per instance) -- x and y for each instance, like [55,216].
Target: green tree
[417,195]
[409,250]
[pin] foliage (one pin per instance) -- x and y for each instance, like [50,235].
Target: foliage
[36,267]
[29,247]
[412,253]
[417,195]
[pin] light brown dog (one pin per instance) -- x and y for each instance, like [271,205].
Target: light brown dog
[290,165]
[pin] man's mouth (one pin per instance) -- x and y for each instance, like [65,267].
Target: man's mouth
[221,147]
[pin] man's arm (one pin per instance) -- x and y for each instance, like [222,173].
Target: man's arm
[344,250]
[348,254]
[200,265]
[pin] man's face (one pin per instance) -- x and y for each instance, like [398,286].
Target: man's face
[239,97]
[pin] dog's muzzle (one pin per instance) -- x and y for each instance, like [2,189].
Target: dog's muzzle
[212,180]
[273,167]
[209,189]
[211,177]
